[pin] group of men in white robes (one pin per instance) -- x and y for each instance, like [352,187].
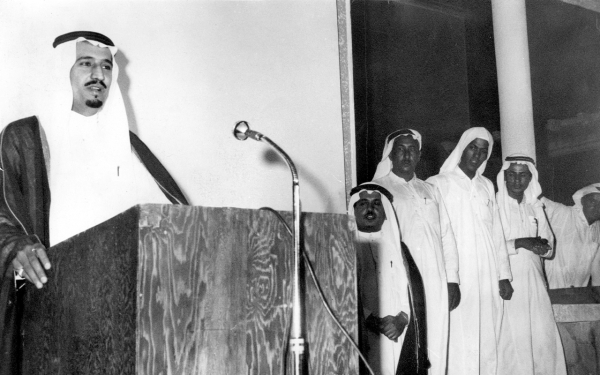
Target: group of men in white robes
[473,247]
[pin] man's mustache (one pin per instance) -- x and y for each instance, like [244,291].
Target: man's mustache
[95,82]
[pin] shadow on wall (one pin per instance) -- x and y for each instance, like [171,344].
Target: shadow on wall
[305,176]
[125,85]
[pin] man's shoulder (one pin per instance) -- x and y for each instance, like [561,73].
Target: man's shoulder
[553,206]
[22,127]
[487,182]
[440,178]
[26,123]
[424,185]
[417,181]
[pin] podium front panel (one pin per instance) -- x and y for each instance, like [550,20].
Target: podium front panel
[164,289]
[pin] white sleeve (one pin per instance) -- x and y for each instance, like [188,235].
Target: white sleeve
[448,241]
[499,241]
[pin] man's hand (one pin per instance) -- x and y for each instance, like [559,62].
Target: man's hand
[393,326]
[537,245]
[30,263]
[453,296]
[506,290]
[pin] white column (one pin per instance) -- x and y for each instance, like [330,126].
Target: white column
[514,80]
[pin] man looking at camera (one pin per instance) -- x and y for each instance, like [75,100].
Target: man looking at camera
[427,232]
[72,166]
[390,287]
[484,268]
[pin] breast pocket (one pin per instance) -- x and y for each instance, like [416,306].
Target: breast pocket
[430,211]
[485,207]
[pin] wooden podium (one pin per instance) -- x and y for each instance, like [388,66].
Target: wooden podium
[577,314]
[163,289]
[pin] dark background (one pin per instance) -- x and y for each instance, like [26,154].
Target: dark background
[430,66]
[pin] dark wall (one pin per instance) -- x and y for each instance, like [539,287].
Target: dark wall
[564,49]
[435,71]
[410,70]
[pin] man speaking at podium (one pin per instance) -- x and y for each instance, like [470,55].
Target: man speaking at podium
[72,166]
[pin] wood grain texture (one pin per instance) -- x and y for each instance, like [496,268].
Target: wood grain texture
[191,290]
[83,321]
[191,281]
[581,342]
[329,246]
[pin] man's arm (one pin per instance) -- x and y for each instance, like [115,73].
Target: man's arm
[20,253]
[448,241]
[554,209]
[504,272]
[499,243]
[595,270]
[23,183]
[449,249]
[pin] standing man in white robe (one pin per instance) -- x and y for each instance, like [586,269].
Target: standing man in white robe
[529,341]
[426,230]
[576,261]
[484,268]
[390,287]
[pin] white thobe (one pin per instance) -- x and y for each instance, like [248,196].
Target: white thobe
[383,285]
[91,184]
[529,339]
[577,258]
[483,261]
[426,230]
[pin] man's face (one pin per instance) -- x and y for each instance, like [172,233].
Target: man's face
[591,207]
[91,76]
[404,156]
[369,212]
[517,178]
[473,156]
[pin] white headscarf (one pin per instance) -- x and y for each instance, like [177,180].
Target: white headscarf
[593,188]
[467,137]
[531,194]
[93,174]
[390,225]
[385,165]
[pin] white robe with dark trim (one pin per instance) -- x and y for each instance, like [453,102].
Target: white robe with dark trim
[384,291]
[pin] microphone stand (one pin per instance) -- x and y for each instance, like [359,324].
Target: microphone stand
[242,131]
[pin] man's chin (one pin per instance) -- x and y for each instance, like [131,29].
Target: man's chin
[94,103]
[371,226]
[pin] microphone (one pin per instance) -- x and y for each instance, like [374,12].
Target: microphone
[242,131]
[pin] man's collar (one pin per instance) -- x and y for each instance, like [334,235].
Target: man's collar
[401,179]
[463,175]
[370,235]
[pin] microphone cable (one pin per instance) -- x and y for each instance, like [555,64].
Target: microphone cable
[321,295]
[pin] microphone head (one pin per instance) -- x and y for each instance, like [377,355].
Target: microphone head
[240,130]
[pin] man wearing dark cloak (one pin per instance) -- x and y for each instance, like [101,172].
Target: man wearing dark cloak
[81,151]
